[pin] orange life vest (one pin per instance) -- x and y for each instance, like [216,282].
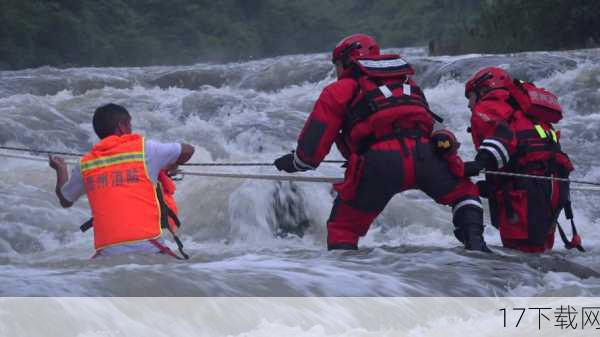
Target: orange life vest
[121,194]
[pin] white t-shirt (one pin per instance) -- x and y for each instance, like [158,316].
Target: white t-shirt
[157,156]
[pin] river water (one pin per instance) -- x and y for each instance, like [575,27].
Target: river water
[264,238]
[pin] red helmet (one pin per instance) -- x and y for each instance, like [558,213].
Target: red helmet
[355,46]
[490,77]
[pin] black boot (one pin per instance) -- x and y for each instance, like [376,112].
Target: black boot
[472,237]
[468,222]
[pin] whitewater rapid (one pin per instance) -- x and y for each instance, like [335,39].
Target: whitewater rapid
[262,238]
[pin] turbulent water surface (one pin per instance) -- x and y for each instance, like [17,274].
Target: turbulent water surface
[262,238]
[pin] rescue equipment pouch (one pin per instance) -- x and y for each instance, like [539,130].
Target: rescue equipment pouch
[538,103]
[523,210]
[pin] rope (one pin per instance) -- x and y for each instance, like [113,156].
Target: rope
[32,158]
[73,154]
[265,177]
[227,164]
[252,164]
[298,178]
[521,175]
[584,188]
[282,177]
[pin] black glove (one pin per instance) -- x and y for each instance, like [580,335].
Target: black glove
[486,160]
[472,168]
[483,160]
[286,163]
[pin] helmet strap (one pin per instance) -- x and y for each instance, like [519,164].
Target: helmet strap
[345,54]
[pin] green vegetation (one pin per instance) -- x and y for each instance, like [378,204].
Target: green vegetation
[148,32]
[539,25]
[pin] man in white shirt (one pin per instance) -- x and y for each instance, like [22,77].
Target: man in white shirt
[112,124]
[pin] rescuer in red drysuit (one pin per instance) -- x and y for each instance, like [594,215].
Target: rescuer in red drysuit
[511,126]
[381,123]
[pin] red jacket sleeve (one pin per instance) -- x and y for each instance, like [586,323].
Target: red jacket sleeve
[324,123]
[490,129]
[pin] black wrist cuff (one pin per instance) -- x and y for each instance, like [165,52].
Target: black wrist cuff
[486,160]
[472,168]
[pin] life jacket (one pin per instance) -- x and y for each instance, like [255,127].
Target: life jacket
[537,103]
[121,195]
[386,100]
[535,109]
[165,192]
[126,205]
[538,148]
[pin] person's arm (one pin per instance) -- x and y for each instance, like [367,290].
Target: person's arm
[342,146]
[493,138]
[62,176]
[320,129]
[187,151]
[325,122]
[166,156]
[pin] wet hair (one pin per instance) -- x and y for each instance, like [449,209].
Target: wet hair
[107,118]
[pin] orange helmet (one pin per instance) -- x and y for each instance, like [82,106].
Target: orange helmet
[490,77]
[355,46]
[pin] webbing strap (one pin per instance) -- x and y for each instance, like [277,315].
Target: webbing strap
[166,213]
[573,243]
[544,134]
[540,130]
[179,245]
[173,217]
[576,241]
[87,225]
[164,249]
[368,106]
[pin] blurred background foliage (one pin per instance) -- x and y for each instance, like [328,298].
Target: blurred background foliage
[67,33]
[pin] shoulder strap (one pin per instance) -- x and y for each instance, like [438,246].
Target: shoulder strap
[87,225]
[374,95]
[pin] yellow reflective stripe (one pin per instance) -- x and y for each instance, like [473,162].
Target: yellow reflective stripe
[122,158]
[554,137]
[540,130]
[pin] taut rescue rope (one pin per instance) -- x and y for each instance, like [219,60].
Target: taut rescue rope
[298,178]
